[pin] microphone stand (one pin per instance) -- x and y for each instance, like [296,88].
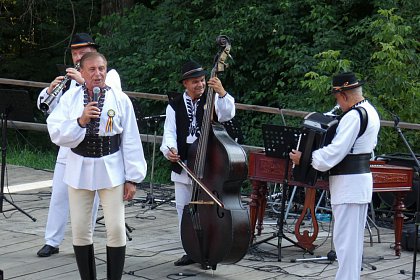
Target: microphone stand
[151,196]
[153,122]
[417,215]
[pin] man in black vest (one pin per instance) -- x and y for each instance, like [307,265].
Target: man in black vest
[184,115]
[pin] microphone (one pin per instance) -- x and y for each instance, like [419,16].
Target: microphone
[154,117]
[396,119]
[96,92]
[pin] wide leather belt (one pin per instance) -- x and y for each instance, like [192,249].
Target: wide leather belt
[98,146]
[352,164]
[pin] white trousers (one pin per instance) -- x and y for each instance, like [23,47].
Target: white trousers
[58,212]
[81,202]
[183,194]
[349,227]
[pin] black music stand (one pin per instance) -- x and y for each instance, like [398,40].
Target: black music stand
[15,104]
[172,94]
[233,129]
[279,142]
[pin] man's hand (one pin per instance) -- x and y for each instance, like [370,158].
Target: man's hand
[129,191]
[91,111]
[75,75]
[172,155]
[295,156]
[217,86]
[54,84]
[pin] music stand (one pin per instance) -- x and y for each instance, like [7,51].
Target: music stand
[173,94]
[278,142]
[16,104]
[233,129]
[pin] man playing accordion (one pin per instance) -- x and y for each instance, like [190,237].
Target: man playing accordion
[347,160]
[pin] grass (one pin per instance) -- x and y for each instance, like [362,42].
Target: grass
[30,149]
[28,157]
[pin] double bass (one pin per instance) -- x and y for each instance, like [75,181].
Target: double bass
[215,226]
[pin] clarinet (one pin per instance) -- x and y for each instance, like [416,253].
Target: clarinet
[45,105]
[331,113]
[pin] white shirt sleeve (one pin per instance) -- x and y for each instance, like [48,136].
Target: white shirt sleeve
[169,131]
[43,95]
[329,156]
[225,107]
[62,123]
[113,80]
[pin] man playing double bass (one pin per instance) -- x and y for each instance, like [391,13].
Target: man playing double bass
[182,126]
[350,181]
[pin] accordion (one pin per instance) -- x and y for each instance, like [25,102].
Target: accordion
[317,131]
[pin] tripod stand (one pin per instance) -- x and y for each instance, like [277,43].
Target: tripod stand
[280,222]
[4,116]
[128,229]
[279,140]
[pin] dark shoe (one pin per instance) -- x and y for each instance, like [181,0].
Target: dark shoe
[47,251]
[184,260]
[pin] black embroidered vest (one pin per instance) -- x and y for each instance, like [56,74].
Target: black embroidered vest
[182,125]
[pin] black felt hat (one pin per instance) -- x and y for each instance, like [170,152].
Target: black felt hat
[81,40]
[345,81]
[192,69]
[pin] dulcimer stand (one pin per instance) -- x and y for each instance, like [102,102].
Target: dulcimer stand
[278,142]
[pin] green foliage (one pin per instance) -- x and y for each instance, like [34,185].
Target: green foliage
[285,53]
[319,82]
[392,73]
[396,65]
[34,35]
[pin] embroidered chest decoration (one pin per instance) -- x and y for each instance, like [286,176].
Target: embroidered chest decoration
[92,128]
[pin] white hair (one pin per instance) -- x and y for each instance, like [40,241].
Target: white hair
[356,91]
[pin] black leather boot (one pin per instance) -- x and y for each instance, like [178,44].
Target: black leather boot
[85,259]
[115,258]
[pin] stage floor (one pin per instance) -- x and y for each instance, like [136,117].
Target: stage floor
[155,244]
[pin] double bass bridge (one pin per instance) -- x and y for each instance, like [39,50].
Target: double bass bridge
[202,202]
